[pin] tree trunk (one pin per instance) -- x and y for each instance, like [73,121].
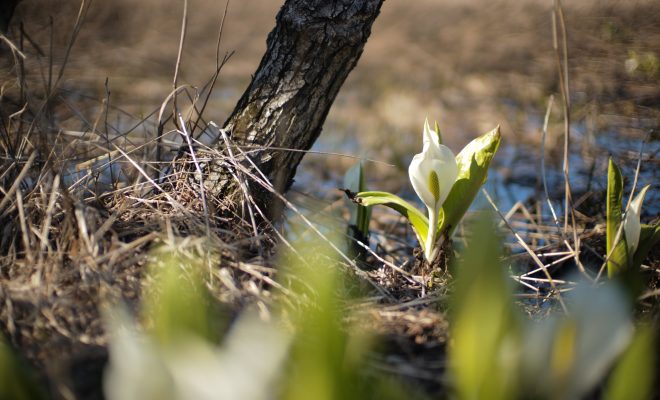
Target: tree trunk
[6,11]
[314,46]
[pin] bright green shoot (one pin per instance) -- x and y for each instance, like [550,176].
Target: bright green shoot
[358,226]
[445,183]
[628,241]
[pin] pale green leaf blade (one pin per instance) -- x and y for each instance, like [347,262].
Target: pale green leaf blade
[485,327]
[176,298]
[473,162]
[617,258]
[633,377]
[325,357]
[631,222]
[419,222]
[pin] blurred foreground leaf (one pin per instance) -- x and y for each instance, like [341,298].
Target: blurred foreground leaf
[136,369]
[246,366]
[486,329]
[495,356]
[320,366]
[634,376]
[178,359]
[574,352]
[177,303]
[16,380]
[328,357]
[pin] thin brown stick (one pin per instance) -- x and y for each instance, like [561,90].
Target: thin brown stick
[218,67]
[177,66]
[24,227]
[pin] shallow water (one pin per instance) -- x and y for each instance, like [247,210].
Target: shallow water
[516,173]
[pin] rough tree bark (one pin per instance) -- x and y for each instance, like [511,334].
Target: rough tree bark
[6,11]
[310,52]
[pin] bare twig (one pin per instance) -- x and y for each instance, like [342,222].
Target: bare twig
[531,253]
[177,66]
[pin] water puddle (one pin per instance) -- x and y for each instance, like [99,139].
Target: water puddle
[516,173]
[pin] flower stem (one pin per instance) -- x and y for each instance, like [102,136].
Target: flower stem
[429,251]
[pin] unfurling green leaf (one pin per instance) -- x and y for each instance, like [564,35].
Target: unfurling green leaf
[473,162]
[360,215]
[419,222]
[616,251]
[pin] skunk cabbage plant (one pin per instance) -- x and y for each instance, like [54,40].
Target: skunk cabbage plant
[445,183]
[627,245]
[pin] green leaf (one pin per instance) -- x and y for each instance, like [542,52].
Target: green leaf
[418,221]
[360,215]
[648,238]
[485,327]
[177,301]
[618,257]
[16,379]
[473,162]
[633,377]
[325,358]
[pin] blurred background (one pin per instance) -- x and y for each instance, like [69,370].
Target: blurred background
[470,64]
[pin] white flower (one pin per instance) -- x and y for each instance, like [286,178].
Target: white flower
[631,225]
[432,174]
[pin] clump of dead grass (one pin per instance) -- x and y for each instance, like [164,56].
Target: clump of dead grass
[81,209]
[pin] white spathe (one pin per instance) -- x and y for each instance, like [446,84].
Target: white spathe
[432,174]
[631,225]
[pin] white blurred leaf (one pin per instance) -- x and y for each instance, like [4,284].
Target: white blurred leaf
[573,353]
[244,367]
[136,370]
